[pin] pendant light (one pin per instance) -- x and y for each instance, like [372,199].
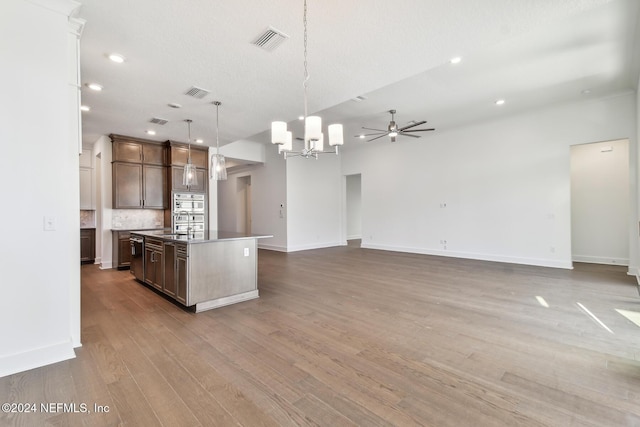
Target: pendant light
[218,168]
[313,136]
[189,177]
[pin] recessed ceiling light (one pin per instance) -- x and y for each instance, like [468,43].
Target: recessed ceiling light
[455,60]
[84,108]
[199,141]
[116,57]
[586,92]
[300,117]
[94,86]
[151,132]
[500,102]
[361,137]
[174,105]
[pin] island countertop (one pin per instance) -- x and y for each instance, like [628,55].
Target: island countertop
[207,236]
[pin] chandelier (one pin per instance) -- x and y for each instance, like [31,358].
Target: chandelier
[218,167]
[313,136]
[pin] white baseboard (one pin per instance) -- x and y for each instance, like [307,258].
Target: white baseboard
[36,358]
[272,247]
[106,265]
[600,260]
[355,236]
[221,302]
[540,262]
[314,246]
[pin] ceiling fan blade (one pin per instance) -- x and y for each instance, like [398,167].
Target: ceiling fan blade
[379,130]
[408,134]
[418,130]
[413,125]
[377,137]
[370,134]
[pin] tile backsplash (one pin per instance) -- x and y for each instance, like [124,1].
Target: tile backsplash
[87,219]
[128,219]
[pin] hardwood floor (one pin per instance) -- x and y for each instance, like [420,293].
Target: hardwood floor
[349,336]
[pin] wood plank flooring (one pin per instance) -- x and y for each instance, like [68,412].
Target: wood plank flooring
[354,337]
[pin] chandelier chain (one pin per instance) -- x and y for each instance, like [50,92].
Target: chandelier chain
[306,71]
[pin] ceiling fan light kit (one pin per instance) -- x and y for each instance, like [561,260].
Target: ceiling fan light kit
[313,136]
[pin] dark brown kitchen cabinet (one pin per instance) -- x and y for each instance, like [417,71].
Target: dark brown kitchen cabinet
[154,181]
[121,249]
[153,263]
[139,186]
[87,245]
[139,173]
[177,175]
[182,273]
[169,286]
[134,150]
[124,251]
[127,185]
[179,154]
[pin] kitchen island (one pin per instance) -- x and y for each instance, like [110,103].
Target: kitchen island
[217,268]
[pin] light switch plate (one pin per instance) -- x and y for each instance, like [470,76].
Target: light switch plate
[49,223]
[246,251]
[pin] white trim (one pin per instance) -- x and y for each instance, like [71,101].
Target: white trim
[314,246]
[272,247]
[36,358]
[106,265]
[477,256]
[65,7]
[601,260]
[221,302]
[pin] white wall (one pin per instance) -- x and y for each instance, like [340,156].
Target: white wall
[496,191]
[40,306]
[103,148]
[600,202]
[268,191]
[354,206]
[314,196]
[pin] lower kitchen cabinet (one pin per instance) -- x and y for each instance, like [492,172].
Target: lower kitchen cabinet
[121,249]
[87,245]
[153,263]
[169,285]
[182,270]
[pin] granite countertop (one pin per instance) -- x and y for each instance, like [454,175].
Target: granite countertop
[87,227]
[165,229]
[209,236]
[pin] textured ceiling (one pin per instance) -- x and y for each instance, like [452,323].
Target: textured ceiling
[530,52]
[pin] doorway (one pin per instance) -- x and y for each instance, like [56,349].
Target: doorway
[600,202]
[243,204]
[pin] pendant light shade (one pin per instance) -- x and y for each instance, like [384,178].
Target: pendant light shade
[189,175]
[288,145]
[218,164]
[278,133]
[218,167]
[335,135]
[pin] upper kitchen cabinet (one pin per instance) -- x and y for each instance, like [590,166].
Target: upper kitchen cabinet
[139,174]
[135,150]
[179,154]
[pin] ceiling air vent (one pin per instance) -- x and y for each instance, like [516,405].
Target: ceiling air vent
[197,92]
[159,121]
[270,39]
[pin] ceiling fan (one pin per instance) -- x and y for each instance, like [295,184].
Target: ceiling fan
[393,130]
